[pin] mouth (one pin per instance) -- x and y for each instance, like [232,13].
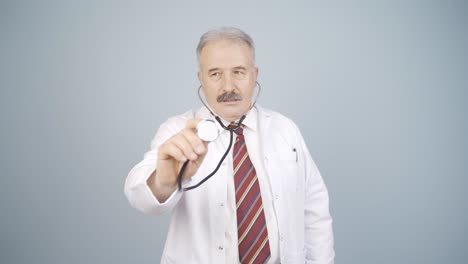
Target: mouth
[231,100]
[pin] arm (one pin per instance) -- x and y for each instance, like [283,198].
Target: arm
[319,241]
[138,191]
[154,191]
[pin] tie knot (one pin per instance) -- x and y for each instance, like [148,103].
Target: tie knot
[239,131]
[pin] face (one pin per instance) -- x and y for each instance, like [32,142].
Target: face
[228,76]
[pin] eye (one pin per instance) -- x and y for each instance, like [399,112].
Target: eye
[215,75]
[239,74]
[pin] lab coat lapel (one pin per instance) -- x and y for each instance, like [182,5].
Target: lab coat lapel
[264,121]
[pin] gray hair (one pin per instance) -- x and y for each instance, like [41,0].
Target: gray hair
[225,33]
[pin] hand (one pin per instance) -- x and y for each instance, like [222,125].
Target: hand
[185,145]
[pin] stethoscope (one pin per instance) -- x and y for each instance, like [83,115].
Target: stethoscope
[209,132]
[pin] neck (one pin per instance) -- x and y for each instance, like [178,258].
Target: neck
[230,122]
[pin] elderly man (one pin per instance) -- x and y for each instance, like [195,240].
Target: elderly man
[267,202]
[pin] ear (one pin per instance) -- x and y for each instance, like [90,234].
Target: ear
[198,76]
[256,72]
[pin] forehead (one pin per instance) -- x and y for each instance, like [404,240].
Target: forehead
[225,54]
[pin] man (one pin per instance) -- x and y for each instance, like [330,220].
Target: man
[267,203]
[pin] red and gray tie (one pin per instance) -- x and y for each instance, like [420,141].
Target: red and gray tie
[251,225]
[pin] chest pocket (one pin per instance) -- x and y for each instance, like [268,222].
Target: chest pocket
[282,166]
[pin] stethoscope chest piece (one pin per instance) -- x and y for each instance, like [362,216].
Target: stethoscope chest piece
[207,130]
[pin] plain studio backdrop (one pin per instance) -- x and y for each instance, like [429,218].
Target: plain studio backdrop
[378,89]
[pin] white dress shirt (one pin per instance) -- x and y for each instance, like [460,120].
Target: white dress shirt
[203,226]
[251,141]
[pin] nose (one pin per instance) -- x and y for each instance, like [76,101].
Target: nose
[228,83]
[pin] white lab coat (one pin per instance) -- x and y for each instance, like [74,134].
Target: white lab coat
[300,198]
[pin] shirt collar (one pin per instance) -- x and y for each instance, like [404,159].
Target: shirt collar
[250,120]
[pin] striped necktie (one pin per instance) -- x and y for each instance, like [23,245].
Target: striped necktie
[251,225]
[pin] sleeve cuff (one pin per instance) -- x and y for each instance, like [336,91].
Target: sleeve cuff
[142,198]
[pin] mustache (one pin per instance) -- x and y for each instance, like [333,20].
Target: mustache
[229,96]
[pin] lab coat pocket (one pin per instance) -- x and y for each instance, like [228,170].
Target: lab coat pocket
[283,169]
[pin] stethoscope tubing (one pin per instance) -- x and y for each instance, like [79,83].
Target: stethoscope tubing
[231,136]
[231,130]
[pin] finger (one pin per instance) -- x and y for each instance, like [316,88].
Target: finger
[192,123]
[170,150]
[193,166]
[197,144]
[184,145]
[201,157]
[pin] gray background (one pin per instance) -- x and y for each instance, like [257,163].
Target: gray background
[379,91]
